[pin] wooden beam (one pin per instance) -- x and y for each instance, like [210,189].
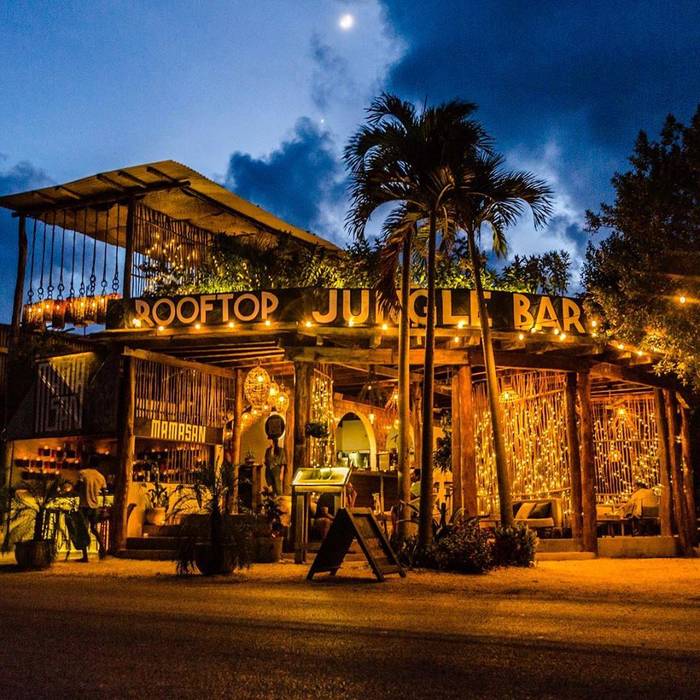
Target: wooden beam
[676,473]
[688,475]
[237,433]
[608,370]
[129,248]
[162,359]
[573,448]
[19,280]
[126,443]
[663,449]
[467,441]
[457,500]
[588,501]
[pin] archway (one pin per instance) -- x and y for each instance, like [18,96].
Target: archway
[355,441]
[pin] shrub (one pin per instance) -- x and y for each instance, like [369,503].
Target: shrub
[464,548]
[514,546]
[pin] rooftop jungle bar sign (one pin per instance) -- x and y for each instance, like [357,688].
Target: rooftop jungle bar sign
[508,311]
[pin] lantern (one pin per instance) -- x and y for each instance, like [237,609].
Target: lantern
[257,387]
[58,315]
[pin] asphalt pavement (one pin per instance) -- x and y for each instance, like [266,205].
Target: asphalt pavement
[276,636]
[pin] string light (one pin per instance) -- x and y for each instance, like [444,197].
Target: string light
[197,325]
[521,336]
[137,323]
[385,326]
[231,324]
[682,299]
[460,324]
[308,324]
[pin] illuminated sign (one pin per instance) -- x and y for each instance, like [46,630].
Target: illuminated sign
[177,432]
[508,311]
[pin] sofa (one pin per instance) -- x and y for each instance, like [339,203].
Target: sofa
[541,514]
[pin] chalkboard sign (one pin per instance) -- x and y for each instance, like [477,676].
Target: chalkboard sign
[361,525]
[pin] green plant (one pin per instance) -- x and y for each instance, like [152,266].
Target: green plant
[34,513]
[227,540]
[515,546]
[316,430]
[442,455]
[271,512]
[464,548]
[157,496]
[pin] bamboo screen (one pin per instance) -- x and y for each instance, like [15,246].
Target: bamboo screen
[171,252]
[626,445]
[181,395]
[534,415]
[322,450]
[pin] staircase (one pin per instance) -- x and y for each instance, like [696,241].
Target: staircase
[158,543]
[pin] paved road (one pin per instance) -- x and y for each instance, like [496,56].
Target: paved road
[158,637]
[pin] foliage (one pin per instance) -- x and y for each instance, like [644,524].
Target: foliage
[548,273]
[442,455]
[270,511]
[210,492]
[316,430]
[465,548]
[30,517]
[515,546]
[157,496]
[635,276]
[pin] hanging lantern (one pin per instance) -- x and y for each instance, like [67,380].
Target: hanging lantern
[76,311]
[282,400]
[58,314]
[90,310]
[257,387]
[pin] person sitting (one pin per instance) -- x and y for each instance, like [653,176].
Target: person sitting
[321,512]
[642,498]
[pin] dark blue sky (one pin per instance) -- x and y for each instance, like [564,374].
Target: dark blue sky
[263,96]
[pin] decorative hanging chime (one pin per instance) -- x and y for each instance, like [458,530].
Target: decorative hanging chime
[256,387]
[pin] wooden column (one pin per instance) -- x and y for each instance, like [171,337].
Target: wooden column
[19,280]
[416,419]
[303,372]
[573,448]
[589,533]
[467,441]
[126,444]
[237,433]
[688,476]
[129,248]
[457,489]
[289,448]
[675,472]
[664,481]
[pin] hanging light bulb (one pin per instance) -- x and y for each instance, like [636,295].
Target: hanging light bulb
[257,386]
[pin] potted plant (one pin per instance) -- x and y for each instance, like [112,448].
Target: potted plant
[268,529]
[158,502]
[34,525]
[212,542]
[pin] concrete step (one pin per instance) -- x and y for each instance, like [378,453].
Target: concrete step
[559,545]
[147,554]
[564,556]
[169,543]
[161,530]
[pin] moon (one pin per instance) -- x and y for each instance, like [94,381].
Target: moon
[346,22]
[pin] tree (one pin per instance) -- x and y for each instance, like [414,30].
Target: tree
[636,276]
[486,195]
[403,158]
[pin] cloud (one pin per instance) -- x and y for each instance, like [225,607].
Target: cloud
[17,178]
[330,79]
[301,181]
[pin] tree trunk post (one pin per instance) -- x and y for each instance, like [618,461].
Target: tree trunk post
[588,502]
[664,471]
[404,390]
[19,280]
[417,412]
[127,444]
[499,445]
[676,473]
[467,442]
[129,248]
[302,413]
[688,476]
[237,434]
[457,488]
[573,449]
[425,523]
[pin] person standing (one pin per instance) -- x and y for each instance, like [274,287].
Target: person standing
[91,486]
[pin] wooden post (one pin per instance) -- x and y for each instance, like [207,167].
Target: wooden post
[129,248]
[19,281]
[303,372]
[417,423]
[289,448]
[688,476]
[126,445]
[573,448]
[664,481]
[676,473]
[589,534]
[467,442]
[237,433]
[457,489]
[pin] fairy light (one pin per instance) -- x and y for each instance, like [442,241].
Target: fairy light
[682,299]
[562,336]
[385,326]
[197,325]
[620,346]
[231,324]
[351,322]
[268,323]
[460,324]
[308,324]
[161,328]
[137,323]
[521,336]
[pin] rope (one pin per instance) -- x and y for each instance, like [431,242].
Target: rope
[30,292]
[50,288]
[40,291]
[93,278]
[71,291]
[81,292]
[104,258]
[115,279]
[61,286]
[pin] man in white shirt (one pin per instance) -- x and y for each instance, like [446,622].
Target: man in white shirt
[91,485]
[642,497]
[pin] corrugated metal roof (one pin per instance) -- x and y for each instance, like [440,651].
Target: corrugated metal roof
[166,186]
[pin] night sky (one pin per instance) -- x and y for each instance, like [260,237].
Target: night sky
[263,95]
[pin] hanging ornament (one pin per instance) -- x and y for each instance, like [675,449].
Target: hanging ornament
[257,387]
[282,400]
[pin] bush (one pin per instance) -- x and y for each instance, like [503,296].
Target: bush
[464,548]
[514,546]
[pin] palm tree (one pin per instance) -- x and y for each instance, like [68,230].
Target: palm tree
[487,195]
[404,158]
